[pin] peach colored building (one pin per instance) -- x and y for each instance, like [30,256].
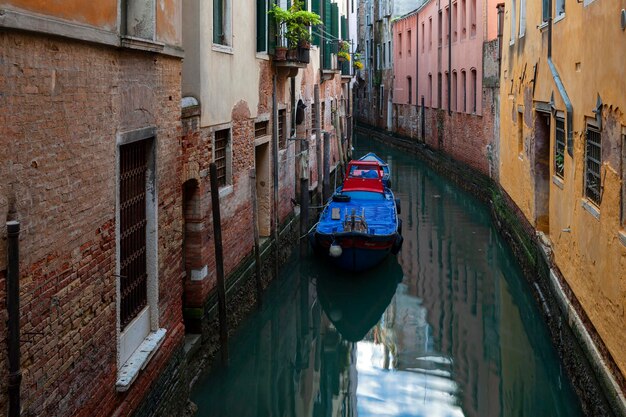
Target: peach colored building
[448,60]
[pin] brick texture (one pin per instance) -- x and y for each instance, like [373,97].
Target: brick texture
[62,105]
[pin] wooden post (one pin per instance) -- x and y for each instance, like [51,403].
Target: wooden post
[318,137]
[326,189]
[255,224]
[219,261]
[304,197]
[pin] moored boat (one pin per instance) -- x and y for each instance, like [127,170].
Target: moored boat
[359,225]
[372,157]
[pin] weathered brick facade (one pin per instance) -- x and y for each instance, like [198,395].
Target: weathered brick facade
[63,104]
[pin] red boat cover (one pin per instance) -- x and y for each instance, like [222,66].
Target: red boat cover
[364,176]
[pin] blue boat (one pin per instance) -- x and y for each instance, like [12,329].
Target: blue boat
[372,157]
[359,225]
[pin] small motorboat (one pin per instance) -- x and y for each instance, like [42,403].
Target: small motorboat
[359,225]
[371,156]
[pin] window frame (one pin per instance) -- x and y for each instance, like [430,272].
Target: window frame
[592,198]
[226,39]
[228,175]
[559,147]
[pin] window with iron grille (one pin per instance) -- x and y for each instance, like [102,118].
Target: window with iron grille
[261,129]
[593,158]
[624,178]
[313,118]
[559,147]
[282,126]
[132,208]
[220,155]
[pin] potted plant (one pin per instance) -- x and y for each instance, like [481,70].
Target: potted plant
[356,61]
[281,17]
[298,35]
[344,51]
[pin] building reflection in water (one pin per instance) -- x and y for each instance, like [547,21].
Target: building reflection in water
[446,329]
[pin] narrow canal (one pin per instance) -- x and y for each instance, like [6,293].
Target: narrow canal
[446,328]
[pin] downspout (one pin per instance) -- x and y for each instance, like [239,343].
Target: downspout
[449,55]
[500,8]
[13,322]
[275,167]
[559,85]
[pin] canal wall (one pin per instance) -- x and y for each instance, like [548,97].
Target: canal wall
[593,373]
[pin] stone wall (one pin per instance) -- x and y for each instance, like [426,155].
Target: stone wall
[63,104]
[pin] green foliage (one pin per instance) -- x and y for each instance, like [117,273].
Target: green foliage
[294,23]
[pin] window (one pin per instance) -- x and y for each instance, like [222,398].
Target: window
[430,90]
[623,177]
[282,129]
[410,89]
[520,131]
[400,45]
[408,41]
[593,160]
[446,29]
[222,156]
[313,118]
[261,129]
[464,81]
[473,18]
[384,54]
[445,90]
[522,18]
[323,115]
[430,33]
[136,240]
[381,100]
[439,95]
[513,31]
[454,92]
[439,29]
[262,25]
[423,36]
[463,19]
[545,10]
[454,22]
[221,22]
[559,147]
[474,91]
[560,9]
[377,56]
[390,53]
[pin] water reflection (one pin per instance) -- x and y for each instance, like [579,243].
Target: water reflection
[446,329]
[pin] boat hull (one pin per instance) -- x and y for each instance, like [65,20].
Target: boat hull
[359,251]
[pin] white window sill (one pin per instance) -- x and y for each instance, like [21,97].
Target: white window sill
[226,190]
[591,208]
[139,359]
[622,237]
[263,55]
[223,49]
[556,180]
[559,18]
[542,26]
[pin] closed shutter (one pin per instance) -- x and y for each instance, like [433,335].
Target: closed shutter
[261,25]
[334,25]
[327,29]
[316,8]
[218,27]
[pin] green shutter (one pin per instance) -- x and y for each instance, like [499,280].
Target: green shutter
[334,25]
[316,8]
[327,29]
[218,20]
[344,28]
[261,25]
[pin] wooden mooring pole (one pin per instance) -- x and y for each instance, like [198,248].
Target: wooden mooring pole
[326,187]
[255,226]
[304,198]
[219,262]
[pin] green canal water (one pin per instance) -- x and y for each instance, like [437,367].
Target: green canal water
[446,328]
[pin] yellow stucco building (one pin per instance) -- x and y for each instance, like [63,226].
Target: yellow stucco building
[563,150]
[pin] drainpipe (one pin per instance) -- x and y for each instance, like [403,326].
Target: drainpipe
[275,167]
[559,85]
[449,54]
[500,8]
[13,308]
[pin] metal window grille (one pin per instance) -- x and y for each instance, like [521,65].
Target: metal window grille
[313,118]
[132,189]
[593,158]
[260,129]
[559,147]
[282,120]
[624,181]
[221,144]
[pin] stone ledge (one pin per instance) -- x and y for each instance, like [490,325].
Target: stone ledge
[139,359]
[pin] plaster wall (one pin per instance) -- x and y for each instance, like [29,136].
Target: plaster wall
[101,14]
[585,237]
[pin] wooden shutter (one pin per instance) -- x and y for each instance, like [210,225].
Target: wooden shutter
[327,28]
[218,26]
[316,8]
[261,25]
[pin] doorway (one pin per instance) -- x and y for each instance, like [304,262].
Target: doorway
[262,165]
[542,171]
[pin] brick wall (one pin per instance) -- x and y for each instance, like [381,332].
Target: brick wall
[64,102]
